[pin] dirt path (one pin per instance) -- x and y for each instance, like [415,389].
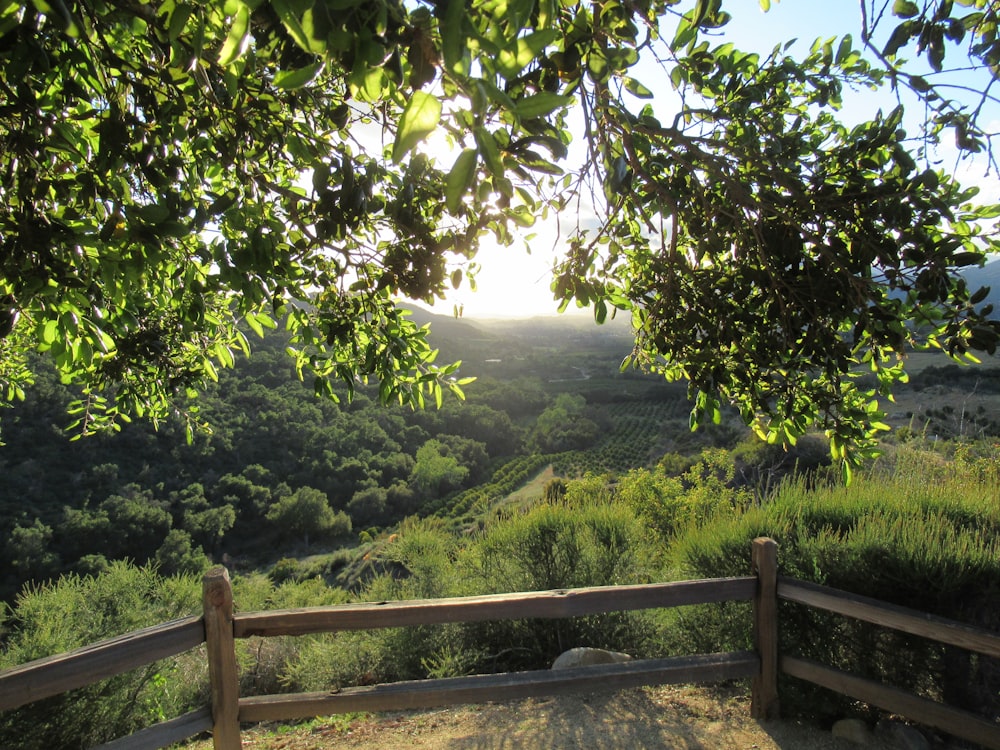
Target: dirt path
[674,717]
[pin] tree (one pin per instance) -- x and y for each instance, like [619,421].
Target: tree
[29,550]
[175,173]
[178,555]
[564,426]
[436,470]
[306,512]
[137,522]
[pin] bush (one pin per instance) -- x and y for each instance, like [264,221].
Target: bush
[417,564]
[762,466]
[550,546]
[556,547]
[79,610]
[286,569]
[668,504]
[933,547]
[265,662]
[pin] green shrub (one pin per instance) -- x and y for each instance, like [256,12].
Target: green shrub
[265,662]
[286,569]
[932,546]
[670,503]
[79,610]
[590,542]
[556,547]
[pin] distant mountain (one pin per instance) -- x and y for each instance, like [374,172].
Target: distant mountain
[549,347]
[446,324]
[536,331]
[988,275]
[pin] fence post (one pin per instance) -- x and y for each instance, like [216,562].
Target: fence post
[217,600]
[764,691]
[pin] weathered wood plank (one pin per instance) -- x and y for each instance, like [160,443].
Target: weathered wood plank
[954,721]
[764,702]
[165,733]
[217,599]
[906,620]
[482,688]
[534,604]
[53,675]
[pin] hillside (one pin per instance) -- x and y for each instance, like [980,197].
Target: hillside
[563,473]
[548,391]
[987,276]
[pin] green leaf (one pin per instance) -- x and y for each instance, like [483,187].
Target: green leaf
[597,66]
[636,88]
[765,5]
[522,216]
[539,105]
[255,326]
[601,312]
[900,36]
[459,178]
[237,39]
[905,9]
[845,49]
[49,332]
[302,31]
[512,61]
[988,212]
[290,80]
[701,8]
[685,34]
[488,148]
[678,78]
[419,119]
[178,19]
[453,40]
[153,213]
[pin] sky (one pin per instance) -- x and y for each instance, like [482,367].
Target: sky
[514,283]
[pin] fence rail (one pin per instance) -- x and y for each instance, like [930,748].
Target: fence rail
[533,604]
[219,627]
[892,616]
[481,688]
[53,675]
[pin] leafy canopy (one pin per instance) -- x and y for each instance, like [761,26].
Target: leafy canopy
[176,173]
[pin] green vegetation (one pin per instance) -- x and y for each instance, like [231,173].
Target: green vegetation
[180,177]
[283,472]
[919,529]
[918,532]
[80,610]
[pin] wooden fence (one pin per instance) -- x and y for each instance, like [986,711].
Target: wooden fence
[219,627]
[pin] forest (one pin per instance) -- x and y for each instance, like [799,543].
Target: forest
[282,469]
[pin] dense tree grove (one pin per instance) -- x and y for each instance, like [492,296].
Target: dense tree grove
[173,170]
[279,465]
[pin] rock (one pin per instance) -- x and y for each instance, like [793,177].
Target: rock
[853,730]
[585,657]
[901,736]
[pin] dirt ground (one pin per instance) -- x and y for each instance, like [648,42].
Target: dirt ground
[675,717]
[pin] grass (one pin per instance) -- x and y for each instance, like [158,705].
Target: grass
[531,491]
